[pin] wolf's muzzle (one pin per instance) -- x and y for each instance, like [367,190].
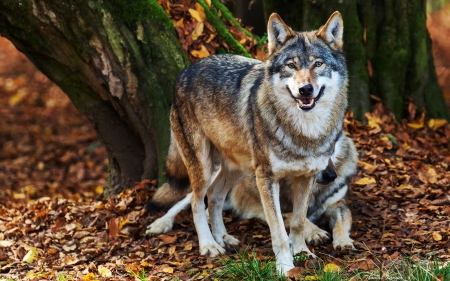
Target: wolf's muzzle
[306,90]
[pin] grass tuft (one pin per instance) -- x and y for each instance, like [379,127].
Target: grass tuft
[247,267]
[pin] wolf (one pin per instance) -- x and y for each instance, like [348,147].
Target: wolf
[277,118]
[327,205]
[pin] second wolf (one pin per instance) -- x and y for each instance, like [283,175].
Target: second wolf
[327,205]
[276,119]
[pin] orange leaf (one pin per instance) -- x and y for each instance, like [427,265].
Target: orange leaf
[203,52]
[167,239]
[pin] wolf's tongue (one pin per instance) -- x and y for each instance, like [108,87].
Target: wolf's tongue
[306,102]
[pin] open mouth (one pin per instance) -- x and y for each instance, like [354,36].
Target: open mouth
[306,104]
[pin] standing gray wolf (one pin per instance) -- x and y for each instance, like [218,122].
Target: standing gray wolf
[277,118]
[328,203]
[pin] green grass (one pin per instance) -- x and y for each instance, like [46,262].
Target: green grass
[64,277]
[142,276]
[247,267]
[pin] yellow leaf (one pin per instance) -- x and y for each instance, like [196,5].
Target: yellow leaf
[203,52]
[200,11]
[30,275]
[31,255]
[89,277]
[331,267]
[18,97]
[367,167]
[257,236]
[188,247]
[210,38]
[19,195]
[373,122]
[172,249]
[365,181]
[436,123]
[198,30]
[208,2]
[310,277]
[99,189]
[123,223]
[195,15]
[405,186]
[168,269]
[415,125]
[437,236]
[104,272]
[432,172]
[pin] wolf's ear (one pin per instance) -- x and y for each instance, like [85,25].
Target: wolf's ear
[277,32]
[332,31]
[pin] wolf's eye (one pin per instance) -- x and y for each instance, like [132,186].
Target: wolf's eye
[291,65]
[318,64]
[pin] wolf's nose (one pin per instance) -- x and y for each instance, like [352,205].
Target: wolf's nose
[306,90]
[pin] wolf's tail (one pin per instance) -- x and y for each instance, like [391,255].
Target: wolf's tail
[177,186]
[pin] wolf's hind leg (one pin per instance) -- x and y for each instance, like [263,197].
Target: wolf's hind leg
[165,223]
[340,219]
[216,197]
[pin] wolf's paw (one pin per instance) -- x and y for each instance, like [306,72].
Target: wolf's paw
[284,264]
[211,249]
[230,240]
[343,243]
[315,235]
[161,225]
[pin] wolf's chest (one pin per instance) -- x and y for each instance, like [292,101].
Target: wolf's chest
[306,166]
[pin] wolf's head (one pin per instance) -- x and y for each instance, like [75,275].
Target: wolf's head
[308,69]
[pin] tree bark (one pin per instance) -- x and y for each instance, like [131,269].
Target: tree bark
[117,64]
[388,50]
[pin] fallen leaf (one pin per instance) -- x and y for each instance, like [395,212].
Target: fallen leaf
[31,255]
[331,267]
[167,239]
[196,15]
[103,271]
[6,243]
[415,125]
[365,181]
[168,269]
[437,236]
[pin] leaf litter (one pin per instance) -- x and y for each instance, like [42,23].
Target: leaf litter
[54,221]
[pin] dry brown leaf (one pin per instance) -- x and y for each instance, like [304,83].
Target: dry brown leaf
[167,239]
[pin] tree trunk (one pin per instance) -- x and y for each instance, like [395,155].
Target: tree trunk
[388,50]
[117,61]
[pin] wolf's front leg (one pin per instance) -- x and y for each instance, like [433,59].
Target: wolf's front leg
[302,190]
[269,191]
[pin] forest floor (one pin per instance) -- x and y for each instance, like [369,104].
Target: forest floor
[54,223]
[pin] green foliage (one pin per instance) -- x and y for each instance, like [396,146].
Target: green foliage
[142,276]
[64,277]
[248,268]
